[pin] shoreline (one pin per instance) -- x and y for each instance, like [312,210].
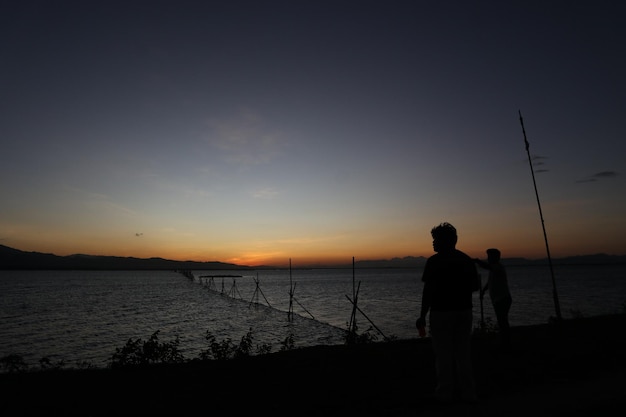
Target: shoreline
[574,367]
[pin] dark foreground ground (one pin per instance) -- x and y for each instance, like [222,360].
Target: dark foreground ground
[574,368]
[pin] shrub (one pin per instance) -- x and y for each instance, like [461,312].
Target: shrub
[47,365]
[353,338]
[217,350]
[136,352]
[245,346]
[13,363]
[288,343]
[226,349]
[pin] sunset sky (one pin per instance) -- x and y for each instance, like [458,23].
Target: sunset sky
[255,132]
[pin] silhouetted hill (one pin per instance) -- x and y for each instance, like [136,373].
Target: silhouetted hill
[406,262]
[11,258]
[16,259]
[597,259]
[418,262]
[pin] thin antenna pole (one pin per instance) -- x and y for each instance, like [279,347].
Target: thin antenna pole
[545,236]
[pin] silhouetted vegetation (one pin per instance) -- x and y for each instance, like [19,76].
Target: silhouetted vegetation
[561,362]
[137,352]
[226,349]
[13,363]
[354,338]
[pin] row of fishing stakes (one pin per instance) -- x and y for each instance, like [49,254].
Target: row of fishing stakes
[545,236]
[234,291]
[352,326]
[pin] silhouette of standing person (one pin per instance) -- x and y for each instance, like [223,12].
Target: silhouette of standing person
[450,277]
[501,299]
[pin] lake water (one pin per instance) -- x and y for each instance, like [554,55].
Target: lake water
[83,316]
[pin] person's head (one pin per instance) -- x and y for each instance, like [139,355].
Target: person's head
[444,237]
[493,255]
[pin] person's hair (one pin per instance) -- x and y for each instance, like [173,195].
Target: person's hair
[444,233]
[493,253]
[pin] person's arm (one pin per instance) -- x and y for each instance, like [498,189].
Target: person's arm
[487,266]
[426,301]
[482,264]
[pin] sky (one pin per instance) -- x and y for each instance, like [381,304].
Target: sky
[259,132]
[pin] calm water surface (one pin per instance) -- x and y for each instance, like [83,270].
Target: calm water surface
[83,316]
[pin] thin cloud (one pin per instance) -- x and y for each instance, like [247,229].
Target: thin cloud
[100,201]
[245,139]
[605,174]
[598,176]
[265,193]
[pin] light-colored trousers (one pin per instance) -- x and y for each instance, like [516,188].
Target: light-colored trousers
[451,333]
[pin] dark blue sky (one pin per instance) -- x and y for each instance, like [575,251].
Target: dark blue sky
[263,130]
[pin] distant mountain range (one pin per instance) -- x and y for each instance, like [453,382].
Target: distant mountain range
[16,259]
[411,262]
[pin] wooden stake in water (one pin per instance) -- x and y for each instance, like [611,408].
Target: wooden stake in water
[355,293]
[255,296]
[352,327]
[545,236]
[291,290]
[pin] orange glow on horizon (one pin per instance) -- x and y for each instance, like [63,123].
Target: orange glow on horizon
[303,258]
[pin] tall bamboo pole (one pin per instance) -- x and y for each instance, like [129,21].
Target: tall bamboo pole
[555,296]
[353,325]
